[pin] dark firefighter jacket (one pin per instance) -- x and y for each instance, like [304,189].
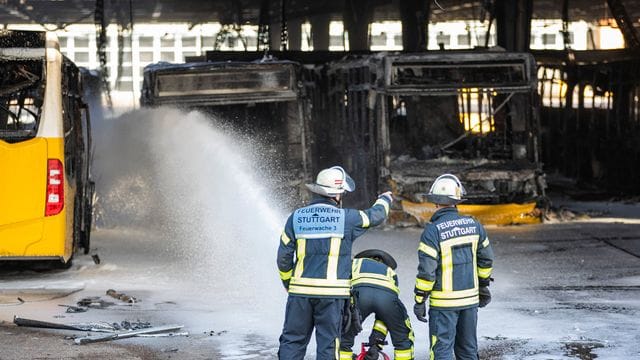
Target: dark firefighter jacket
[320,236]
[371,273]
[454,257]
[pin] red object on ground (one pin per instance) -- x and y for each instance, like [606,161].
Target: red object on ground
[363,352]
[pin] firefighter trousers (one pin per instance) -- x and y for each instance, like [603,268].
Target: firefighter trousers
[453,331]
[391,316]
[301,316]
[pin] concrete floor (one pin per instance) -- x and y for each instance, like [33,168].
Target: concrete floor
[561,291]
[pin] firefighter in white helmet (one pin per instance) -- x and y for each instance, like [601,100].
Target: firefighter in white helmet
[314,259]
[454,271]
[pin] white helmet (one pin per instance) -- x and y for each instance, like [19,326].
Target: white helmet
[446,190]
[331,182]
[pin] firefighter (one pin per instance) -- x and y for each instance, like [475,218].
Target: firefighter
[454,271]
[317,279]
[375,290]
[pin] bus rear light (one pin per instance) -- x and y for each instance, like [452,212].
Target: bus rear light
[55,188]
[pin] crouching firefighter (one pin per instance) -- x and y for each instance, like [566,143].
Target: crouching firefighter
[454,271]
[318,277]
[375,290]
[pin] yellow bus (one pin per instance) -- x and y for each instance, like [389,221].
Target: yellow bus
[46,189]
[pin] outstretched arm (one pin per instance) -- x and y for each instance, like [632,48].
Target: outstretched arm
[375,215]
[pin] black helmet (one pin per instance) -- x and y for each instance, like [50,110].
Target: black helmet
[378,255]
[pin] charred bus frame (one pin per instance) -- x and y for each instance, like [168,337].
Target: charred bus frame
[262,99]
[474,114]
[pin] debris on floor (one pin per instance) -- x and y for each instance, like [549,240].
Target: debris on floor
[44,324]
[122,296]
[94,302]
[126,334]
[169,334]
[562,214]
[74,309]
[216,333]
[131,325]
[112,331]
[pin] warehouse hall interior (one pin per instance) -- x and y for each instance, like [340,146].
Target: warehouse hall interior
[477,157]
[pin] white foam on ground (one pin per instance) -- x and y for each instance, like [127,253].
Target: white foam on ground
[210,218]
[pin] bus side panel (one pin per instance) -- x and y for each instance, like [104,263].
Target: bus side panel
[23,180]
[24,230]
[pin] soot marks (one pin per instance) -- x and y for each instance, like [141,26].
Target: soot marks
[582,349]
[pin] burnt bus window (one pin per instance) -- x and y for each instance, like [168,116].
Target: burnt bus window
[21,94]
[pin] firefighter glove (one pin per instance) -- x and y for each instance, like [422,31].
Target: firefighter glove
[386,195]
[373,353]
[484,281]
[285,283]
[420,309]
[485,296]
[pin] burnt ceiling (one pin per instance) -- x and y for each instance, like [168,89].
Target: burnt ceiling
[59,13]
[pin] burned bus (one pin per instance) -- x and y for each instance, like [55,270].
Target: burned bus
[261,99]
[400,120]
[46,189]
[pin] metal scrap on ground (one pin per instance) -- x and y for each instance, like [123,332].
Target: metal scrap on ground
[126,334]
[44,324]
[121,296]
[130,329]
[94,302]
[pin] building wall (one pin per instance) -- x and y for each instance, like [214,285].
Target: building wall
[151,43]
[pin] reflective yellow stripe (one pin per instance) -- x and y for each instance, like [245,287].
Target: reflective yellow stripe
[359,278]
[383,283]
[358,275]
[458,294]
[419,299]
[412,337]
[309,290]
[447,258]
[332,262]
[453,303]
[321,282]
[484,273]
[300,253]
[355,267]
[383,203]
[286,275]
[428,250]
[406,354]
[365,219]
[424,285]
[380,326]
[434,340]
[346,355]
[284,238]
[485,243]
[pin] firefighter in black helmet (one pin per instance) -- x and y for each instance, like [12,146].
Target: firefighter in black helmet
[455,264]
[375,290]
